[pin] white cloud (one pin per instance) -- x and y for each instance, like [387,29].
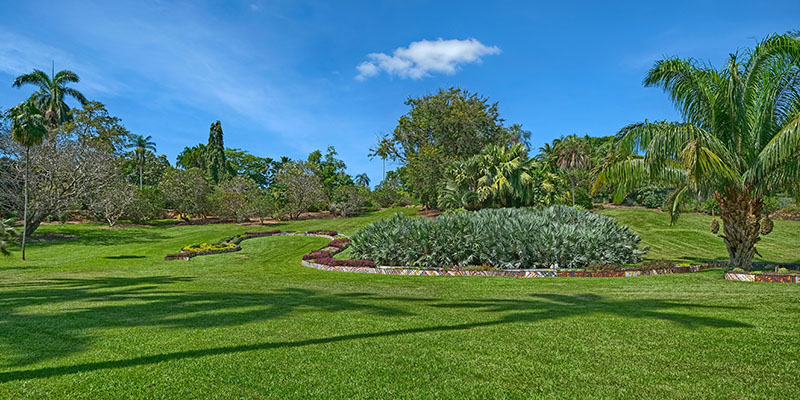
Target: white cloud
[426,57]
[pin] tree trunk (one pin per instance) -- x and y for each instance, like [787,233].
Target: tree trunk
[25,207]
[141,161]
[741,217]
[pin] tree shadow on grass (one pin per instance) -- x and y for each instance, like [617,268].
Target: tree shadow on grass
[152,307]
[97,236]
[54,318]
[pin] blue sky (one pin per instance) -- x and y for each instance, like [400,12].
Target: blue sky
[286,78]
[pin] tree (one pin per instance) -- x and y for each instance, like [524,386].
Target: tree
[390,191]
[299,188]
[362,180]
[217,167]
[573,156]
[112,202]
[330,170]
[147,205]
[50,98]
[141,145]
[27,129]
[49,103]
[153,167]
[347,200]
[437,130]
[739,139]
[93,122]
[65,169]
[192,157]
[262,205]
[231,198]
[500,176]
[254,167]
[186,191]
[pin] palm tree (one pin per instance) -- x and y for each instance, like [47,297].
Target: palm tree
[362,179]
[7,232]
[28,128]
[506,179]
[141,144]
[51,94]
[572,154]
[739,138]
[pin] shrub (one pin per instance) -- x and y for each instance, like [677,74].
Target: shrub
[558,236]
[317,254]
[263,233]
[209,247]
[324,232]
[339,243]
[335,262]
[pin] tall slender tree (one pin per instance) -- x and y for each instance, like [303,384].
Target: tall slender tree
[43,112]
[572,155]
[28,128]
[739,139]
[141,145]
[217,166]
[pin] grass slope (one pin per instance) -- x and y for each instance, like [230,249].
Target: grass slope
[105,317]
[690,238]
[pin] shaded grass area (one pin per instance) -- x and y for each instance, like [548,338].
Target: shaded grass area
[93,320]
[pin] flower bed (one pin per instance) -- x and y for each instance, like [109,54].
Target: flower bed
[229,244]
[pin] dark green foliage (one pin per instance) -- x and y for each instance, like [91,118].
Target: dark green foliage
[330,170]
[217,167]
[558,236]
[438,130]
[649,196]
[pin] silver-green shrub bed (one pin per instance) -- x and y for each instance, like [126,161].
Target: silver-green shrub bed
[509,238]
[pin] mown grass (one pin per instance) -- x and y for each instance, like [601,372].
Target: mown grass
[104,316]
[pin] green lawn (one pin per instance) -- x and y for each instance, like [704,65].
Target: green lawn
[104,316]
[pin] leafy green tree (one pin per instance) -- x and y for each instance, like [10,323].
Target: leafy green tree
[192,157]
[141,145]
[28,128]
[217,167]
[437,130]
[330,170]
[739,139]
[153,169]
[92,122]
[254,167]
[51,94]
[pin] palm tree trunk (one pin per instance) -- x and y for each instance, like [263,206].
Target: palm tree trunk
[141,161]
[25,207]
[741,217]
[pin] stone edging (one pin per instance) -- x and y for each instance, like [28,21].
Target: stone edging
[511,273]
[773,278]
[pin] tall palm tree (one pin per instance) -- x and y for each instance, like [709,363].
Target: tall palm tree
[362,179]
[739,138]
[28,128]
[572,155]
[141,144]
[50,98]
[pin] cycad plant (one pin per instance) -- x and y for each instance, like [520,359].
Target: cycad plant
[739,139]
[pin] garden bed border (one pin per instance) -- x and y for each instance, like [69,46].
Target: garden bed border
[742,276]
